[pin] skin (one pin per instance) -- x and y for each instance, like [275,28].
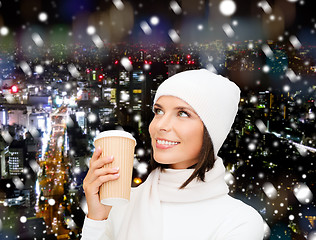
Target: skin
[175,121]
[96,176]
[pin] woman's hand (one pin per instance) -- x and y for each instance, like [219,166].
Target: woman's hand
[96,176]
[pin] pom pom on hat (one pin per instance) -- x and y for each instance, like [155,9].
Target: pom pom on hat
[213,97]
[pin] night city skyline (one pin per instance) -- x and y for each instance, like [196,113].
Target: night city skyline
[71,69]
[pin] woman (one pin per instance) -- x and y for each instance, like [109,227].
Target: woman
[185,196]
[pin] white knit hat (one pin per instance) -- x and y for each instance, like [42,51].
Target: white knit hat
[213,97]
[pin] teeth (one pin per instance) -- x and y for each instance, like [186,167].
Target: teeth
[163,142]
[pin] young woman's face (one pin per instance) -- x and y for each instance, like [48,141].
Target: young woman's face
[176,133]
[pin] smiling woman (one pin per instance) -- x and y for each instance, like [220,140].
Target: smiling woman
[197,140]
[173,130]
[185,196]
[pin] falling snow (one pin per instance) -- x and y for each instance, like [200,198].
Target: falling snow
[174,36]
[118,4]
[265,6]
[291,75]
[4,31]
[227,7]
[267,50]
[145,27]
[26,68]
[295,42]
[142,168]
[73,70]
[51,201]
[97,41]
[43,16]
[38,39]
[92,66]
[23,219]
[126,64]
[154,20]
[269,190]
[228,30]
[91,30]
[39,69]
[18,183]
[303,193]
[175,7]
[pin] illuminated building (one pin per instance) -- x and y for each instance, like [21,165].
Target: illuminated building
[4,167]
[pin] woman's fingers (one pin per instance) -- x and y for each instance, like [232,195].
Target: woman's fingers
[102,172]
[105,178]
[97,153]
[101,162]
[96,176]
[93,183]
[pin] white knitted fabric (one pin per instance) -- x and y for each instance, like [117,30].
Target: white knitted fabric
[213,97]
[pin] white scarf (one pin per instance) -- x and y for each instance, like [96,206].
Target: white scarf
[143,218]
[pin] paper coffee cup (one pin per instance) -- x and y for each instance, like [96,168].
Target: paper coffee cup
[120,145]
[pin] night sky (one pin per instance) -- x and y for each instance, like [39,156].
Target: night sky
[199,21]
[286,25]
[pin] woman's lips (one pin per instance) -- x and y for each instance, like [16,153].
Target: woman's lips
[165,144]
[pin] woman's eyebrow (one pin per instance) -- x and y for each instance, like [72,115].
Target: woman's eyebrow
[186,108]
[177,108]
[157,105]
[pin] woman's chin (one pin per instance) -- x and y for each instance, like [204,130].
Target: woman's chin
[163,161]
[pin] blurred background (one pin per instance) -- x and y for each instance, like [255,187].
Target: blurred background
[71,69]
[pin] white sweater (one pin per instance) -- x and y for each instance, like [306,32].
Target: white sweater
[195,213]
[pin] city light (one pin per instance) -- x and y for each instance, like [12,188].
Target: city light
[14,89]
[137,181]
[101,77]
[69,72]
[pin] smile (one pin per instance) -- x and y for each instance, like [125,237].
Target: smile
[166,144]
[163,142]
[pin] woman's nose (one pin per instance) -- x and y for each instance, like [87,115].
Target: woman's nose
[164,123]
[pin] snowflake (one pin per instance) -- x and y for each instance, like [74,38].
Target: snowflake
[145,27]
[51,201]
[39,69]
[228,30]
[175,7]
[126,64]
[227,7]
[174,36]
[42,16]
[4,31]
[154,20]
[38,40]
[23,219]
[91,30]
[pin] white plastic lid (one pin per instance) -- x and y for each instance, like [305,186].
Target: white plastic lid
[115,133]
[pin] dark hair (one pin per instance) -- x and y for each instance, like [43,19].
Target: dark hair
[205,163]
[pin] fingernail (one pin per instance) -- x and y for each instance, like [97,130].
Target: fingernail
[117,175]
[116,168]
[110,157]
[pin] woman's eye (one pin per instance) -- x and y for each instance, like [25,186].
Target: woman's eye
[183,114]
[158,111]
